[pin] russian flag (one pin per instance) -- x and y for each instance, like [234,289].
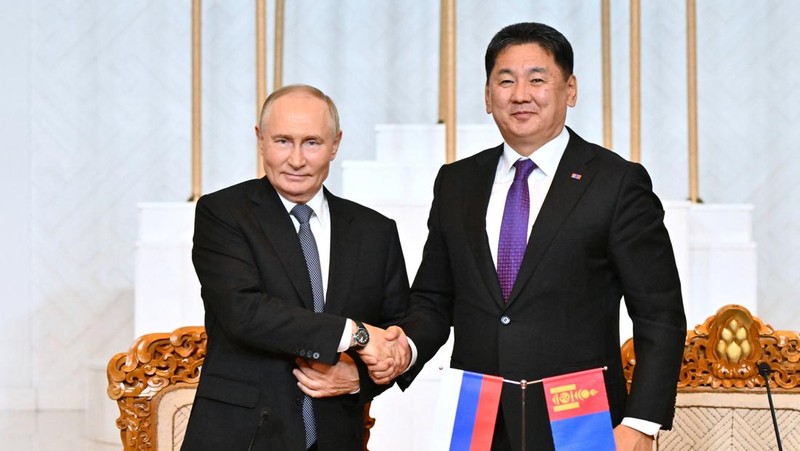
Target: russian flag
[578,409]
[466,411]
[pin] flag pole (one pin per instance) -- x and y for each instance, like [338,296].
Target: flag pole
[523,385]
[537,381]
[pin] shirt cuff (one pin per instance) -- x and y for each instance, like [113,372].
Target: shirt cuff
[413,348]
[347,335]
[643,426]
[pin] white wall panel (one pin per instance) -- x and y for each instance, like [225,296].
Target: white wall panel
[16,386]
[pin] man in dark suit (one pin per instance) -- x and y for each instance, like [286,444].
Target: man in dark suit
[288,272]
[591,231]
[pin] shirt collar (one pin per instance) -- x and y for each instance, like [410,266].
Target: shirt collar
[546,157]
[318,203]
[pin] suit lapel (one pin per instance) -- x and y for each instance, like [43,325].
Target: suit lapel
[344,253]
[279,231]
[564,193]
[477,189]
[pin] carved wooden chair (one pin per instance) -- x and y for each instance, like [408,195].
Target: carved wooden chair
[722,400]
[154,383]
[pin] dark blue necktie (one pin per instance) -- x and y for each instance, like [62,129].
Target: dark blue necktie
[309,244]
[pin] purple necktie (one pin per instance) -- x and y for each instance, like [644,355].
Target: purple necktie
[514,229]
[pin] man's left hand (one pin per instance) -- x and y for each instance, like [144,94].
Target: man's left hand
[629,439]
[319,380]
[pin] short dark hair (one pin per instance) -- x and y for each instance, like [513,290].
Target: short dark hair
[545,36]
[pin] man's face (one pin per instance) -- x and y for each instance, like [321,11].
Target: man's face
[528,96]
[297,143]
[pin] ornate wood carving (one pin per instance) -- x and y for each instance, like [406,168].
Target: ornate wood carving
[154,362]
[369,422]
[726,349]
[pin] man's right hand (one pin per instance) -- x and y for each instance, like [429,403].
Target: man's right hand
[387,355]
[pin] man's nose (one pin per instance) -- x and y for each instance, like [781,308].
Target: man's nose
[521,93]
[296,157]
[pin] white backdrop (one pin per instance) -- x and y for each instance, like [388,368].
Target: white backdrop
[95,118]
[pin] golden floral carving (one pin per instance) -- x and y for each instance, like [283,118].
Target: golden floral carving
[154,362]
[726,349]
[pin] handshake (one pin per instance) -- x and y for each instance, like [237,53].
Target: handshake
[387,355]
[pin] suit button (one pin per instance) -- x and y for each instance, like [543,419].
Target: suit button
[505,320]
[302,353]
[316,355]
[298,401]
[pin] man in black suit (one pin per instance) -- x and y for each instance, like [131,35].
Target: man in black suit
[285,289]
[592,232]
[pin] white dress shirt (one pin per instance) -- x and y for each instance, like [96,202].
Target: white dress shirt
[546,159]
[320,223]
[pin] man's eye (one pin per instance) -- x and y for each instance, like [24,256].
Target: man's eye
[505,82]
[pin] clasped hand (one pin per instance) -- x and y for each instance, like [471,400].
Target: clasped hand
[320,380]
[387,355]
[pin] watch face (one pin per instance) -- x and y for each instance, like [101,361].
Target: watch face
[362,337]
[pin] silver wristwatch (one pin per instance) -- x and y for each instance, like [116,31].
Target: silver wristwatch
[360,336]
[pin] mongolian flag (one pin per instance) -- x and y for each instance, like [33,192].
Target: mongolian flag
[578,409]
[466,412]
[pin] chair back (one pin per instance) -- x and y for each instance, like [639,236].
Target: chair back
[722,399]
[154,384]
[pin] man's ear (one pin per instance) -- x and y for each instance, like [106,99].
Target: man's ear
[572,91]
[335,146]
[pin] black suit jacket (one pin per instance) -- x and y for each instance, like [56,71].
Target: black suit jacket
[259,317]
[599,236]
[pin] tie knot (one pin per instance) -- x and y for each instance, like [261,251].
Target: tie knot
[302,212]
[524,169]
